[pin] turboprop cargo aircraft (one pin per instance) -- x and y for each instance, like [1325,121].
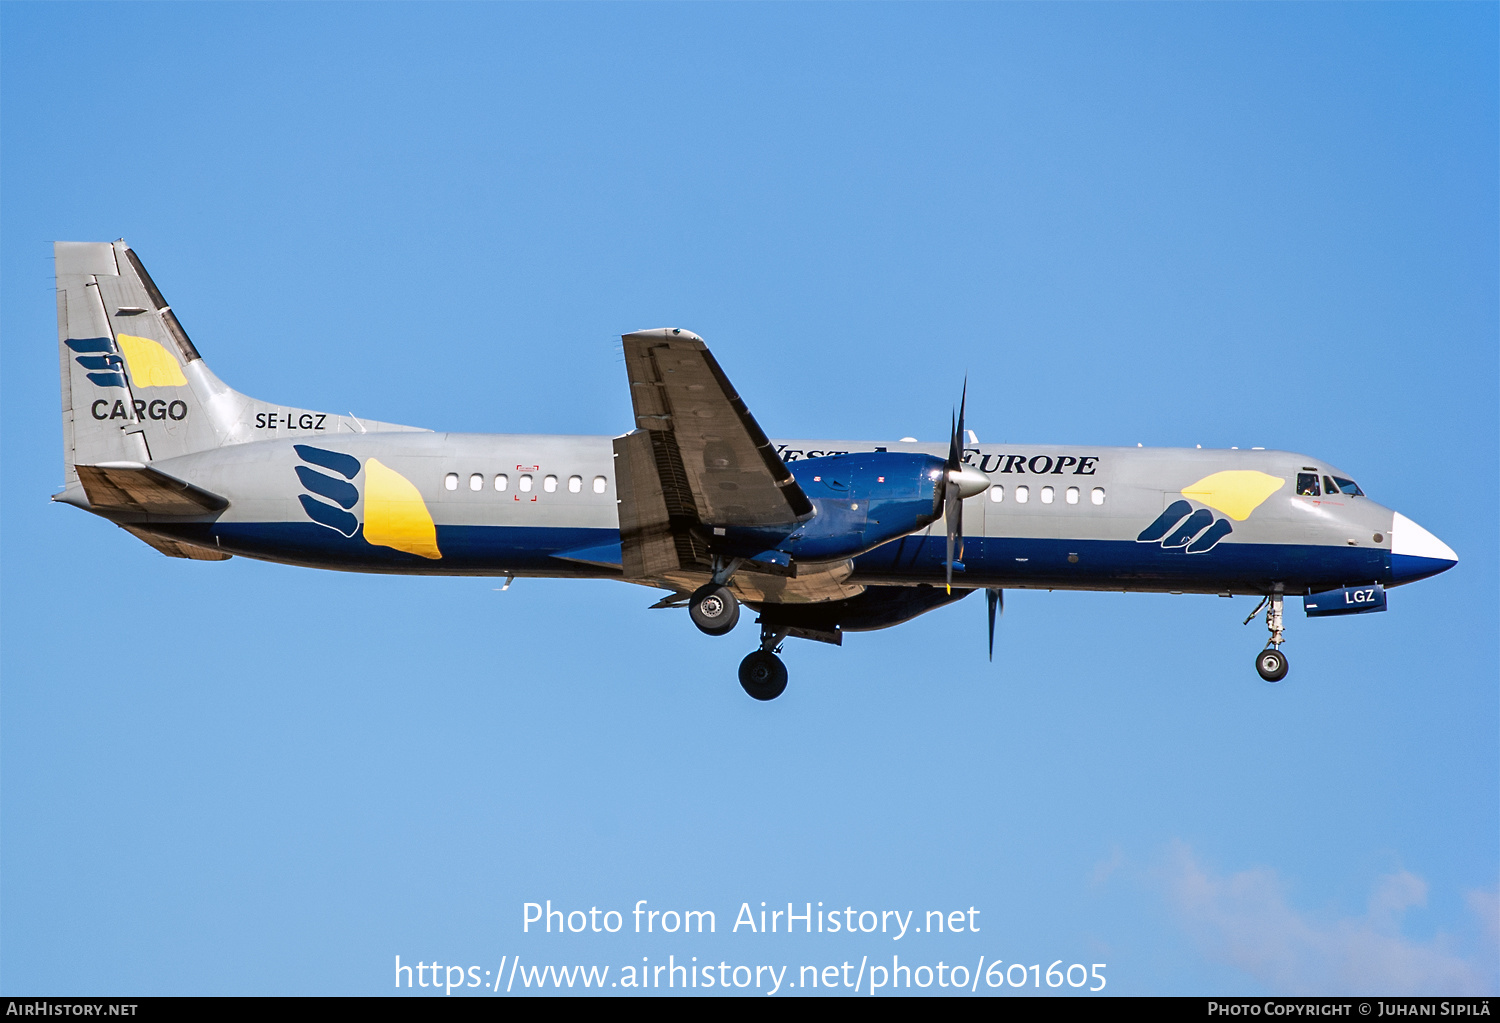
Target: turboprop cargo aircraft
[818,538]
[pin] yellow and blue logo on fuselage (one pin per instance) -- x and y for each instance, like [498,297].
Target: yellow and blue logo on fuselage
[395,515]
[1235,492]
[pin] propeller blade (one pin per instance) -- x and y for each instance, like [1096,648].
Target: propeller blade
[959,437]
[953,510]
[956,442]
[996,601]
[958,523]
[953,498]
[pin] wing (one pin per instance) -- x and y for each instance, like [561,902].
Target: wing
[696,459]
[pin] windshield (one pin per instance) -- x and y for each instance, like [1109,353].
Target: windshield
[1348,487]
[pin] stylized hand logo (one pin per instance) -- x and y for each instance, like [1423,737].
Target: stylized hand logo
[1176,528]
[345,495]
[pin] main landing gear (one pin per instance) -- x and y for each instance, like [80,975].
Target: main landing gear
[714,609]
[1271,663]
[762,674]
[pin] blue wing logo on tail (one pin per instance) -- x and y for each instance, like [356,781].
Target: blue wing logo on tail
[101,358]
[328,488]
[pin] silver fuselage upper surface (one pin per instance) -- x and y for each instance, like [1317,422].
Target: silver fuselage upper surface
[511,503]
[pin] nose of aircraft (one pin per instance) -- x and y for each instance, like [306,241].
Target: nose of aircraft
[1416,553]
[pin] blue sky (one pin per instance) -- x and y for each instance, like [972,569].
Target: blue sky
[1223,225]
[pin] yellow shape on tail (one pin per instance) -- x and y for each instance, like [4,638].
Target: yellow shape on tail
[151,365]
[1235,492]
[395,514]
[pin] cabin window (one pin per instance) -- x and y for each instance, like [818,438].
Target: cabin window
[1307,484]
[476,481]
[1072,495]
[502,481]
[599,484]
[1023,494]
[526,484]
[575,484]
[1097,495]
[997,493]
[549,483]
[450,481]
[1046,495]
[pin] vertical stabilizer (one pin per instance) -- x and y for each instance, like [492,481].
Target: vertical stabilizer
[134,388]
[126,395]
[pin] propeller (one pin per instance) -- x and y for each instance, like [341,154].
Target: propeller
[995,598]
[959,481]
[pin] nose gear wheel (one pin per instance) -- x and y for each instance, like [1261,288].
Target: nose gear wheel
[1271,663]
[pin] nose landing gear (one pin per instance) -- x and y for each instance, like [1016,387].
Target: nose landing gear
[762,674]
[1271,663]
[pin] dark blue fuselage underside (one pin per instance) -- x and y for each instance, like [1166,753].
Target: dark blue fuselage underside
[988,561]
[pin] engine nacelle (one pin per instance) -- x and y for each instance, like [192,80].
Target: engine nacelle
[860,501]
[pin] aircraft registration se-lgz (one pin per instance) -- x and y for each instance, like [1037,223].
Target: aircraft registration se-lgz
[696,500]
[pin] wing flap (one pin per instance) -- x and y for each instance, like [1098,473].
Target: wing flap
[650,546]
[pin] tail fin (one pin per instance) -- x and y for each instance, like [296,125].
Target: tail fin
[126,396]
[133,385]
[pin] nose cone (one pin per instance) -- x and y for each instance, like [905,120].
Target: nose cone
[970,481]
[1416,553]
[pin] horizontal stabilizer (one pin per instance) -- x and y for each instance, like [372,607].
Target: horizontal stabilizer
[134,488]
[174,548]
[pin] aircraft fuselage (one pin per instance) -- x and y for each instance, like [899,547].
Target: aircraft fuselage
[1063,517]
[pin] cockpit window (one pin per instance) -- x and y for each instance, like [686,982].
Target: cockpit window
[1307,484]
[1348,486]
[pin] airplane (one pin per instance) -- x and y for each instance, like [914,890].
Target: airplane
[818,538]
